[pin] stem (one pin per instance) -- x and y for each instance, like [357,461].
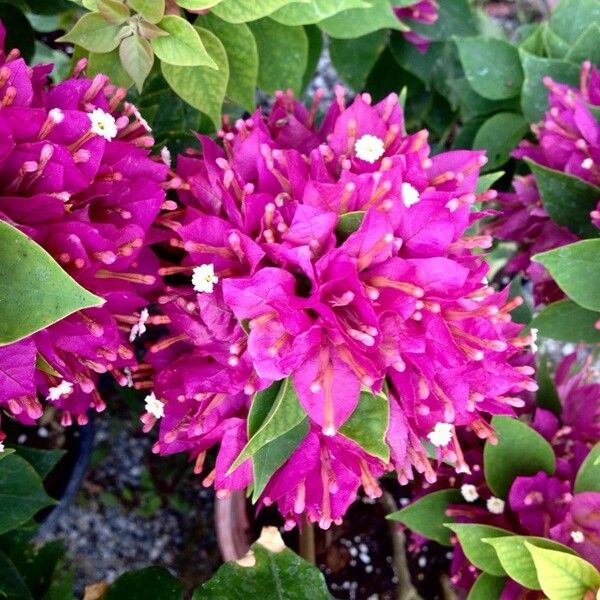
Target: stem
[307,542]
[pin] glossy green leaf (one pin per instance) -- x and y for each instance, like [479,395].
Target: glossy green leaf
[12,585]
[151,10]
[427,515]
[183,46]
[534,94]
[362,21]
[34,289]
[113,11]
[520,451]
[19,32]
[109,64]
[22,494]
[586,47]
[492,67]
[280,70]
[349,223]
[43,461]
[354,59]
[368,425]
[306,13]
[479,553]
[499,136]
[485,182]
[568,322]
[137,58]
[202,87]
[93,33]
[314,37]
[570,18]
[568,199]
[242,58]
[546,396]
[588,476]
[487,587]
[261,406]
[152,582]
[242,11]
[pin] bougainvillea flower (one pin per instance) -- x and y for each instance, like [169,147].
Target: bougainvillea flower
[76,177]
[422,11]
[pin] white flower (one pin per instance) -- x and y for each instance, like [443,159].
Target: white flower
[495,505]
[577,537]
[140,327]
[56,115]
[469,492]
[165,155]
[154,406]
[1,447]
[441,434]
[369,148]
[204,278]
[410,195]
[62,389]
[533,332]
[588,163]
[103,124]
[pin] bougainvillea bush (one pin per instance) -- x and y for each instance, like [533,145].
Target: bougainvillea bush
[322,303]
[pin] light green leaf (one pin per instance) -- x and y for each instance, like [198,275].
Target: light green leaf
[427,515]
[499,136]
[554,45]
[570,18]
[368,425]
[280,70]
[151,10]
[242,57]
[113,11]
[137,58]
[492,67]
[152,582]
[485,182]
[563,576]
[183,46]
[93,33]
[568,322]
[194,5]
[487,587]
[361,21]
[349,223]
[479,553]
[314,11]
[34,289]
[109,64]
[586,47]
[571,267]
[568,199]
[242,11]
[520,451]
[43,365]
[588,476]
[202,87]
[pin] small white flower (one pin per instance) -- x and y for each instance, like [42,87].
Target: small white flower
[165,155]
[495,505]
[369,148]
[534,336]
[588,163]
[469,492]
[103,124]
[1,447]
[62,389]
[410,195]
[577,537]
[56,115]
[140,327]
[204,278]
[154,406]
[441,434]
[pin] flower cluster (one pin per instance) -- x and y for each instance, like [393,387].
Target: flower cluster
[335,256]
[568,140]
[75,176]
[422,11]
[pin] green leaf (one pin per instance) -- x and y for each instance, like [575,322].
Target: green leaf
[19,32]
[280,70]
[43,461]
[308,13]
[368,425]
[563,576]
[183,46]
[34,290]
[43,365]
[487,587]
[194,5]
[202,87]
[427,515]
[588,476]
[361,21]
[586,47]
[570,18]
[499,136]
[242,11]
[242,57]
[554,45]
[568,322]
[568,199]
[12,584]
[152,582]
[354,59]
[516,559]
[6,452]
[485,182]
[349,223]
[270,571]
[571,266]
[93,33]
[520,451]
[455,18]
[534,94]
[492,67]
[22,494]
[137,58]
[546,396]
[113,11]
[314,37]
[261,406]
[479,553]
[151,10]
[109,64]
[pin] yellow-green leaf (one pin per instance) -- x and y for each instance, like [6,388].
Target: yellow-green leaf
[93,33]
